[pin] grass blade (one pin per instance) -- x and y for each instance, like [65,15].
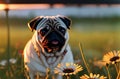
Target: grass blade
[83,58]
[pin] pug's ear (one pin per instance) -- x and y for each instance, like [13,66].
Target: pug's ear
[66,20]
[34,22]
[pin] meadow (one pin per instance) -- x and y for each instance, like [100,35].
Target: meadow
[97,36]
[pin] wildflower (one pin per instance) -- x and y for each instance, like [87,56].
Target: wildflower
[3,62]
[112,57]
[93,76]
[68,69]
[20,52]
[12,60]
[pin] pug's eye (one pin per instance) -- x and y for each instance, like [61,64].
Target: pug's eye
[44,30]
[61,29]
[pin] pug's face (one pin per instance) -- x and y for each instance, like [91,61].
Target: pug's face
[52,32]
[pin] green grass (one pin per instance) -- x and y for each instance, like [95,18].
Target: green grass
[97,35]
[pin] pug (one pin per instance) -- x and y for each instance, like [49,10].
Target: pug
[48,46]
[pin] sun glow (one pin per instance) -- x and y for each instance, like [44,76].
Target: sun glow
[28,6]
[2,6]
[24,6]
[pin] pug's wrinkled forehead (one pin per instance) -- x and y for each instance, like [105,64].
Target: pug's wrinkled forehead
[52,21]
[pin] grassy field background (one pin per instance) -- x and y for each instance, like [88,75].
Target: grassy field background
[97,35]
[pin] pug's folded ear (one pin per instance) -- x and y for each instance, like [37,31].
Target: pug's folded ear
[34,22]
[66,20]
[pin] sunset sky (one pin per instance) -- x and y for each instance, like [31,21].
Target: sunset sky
[24,6]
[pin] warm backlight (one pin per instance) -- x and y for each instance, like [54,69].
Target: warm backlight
[24,6]
[2,6]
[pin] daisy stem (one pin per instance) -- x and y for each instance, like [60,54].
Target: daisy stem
[116,67]
[47,73]
[8,40]
[68,76]
[37,76]
[119,66]
[118,76]
[108,72]
[83,58]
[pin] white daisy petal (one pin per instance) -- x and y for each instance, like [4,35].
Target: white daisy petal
[3,62]
[12,60]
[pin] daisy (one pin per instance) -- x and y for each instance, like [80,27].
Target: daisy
[68,69]
[3,62]
[92,76]
[12,60]
[112,57]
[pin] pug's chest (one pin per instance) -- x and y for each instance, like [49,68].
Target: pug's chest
[50,61]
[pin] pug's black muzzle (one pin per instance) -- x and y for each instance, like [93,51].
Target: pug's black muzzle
[53,42]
